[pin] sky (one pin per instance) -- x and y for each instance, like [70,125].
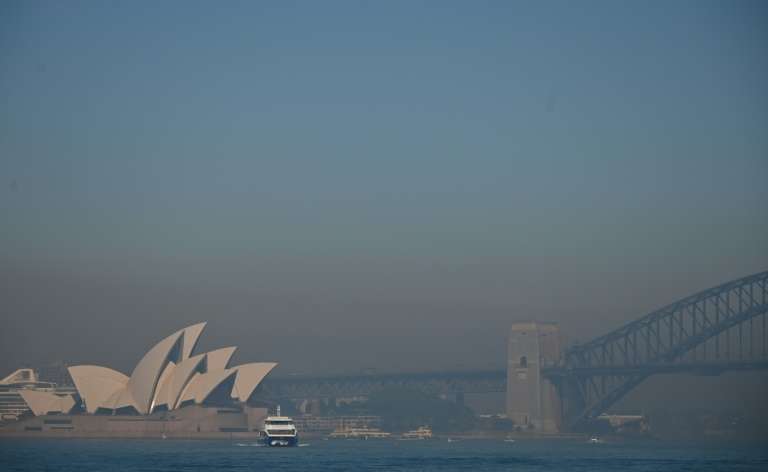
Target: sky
[338,186]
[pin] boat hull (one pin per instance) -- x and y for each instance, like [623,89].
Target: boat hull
[281,441]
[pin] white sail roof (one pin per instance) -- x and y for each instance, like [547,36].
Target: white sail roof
[202,385]
[191,335]
[163,389]
[96,384]
[42,403]
[219,359]
[169,375]
[249,376]
[145,376]
[182,376]
[122,398]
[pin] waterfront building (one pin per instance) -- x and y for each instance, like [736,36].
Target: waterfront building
[359,433]
[328,424]
[171,390]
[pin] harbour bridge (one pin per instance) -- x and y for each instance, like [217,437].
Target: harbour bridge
[720,329]
[713,331]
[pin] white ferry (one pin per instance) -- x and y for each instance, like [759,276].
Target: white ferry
[280,431]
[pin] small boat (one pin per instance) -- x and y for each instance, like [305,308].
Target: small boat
[595,440]
[422,432]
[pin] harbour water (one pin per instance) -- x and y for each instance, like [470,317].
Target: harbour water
[355,455]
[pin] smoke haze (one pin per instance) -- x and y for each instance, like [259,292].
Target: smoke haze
[346,186]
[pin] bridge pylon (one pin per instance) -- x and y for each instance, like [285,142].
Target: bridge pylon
[532,401]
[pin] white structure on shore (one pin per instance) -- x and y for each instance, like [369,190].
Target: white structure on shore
[22,391]
[168,377]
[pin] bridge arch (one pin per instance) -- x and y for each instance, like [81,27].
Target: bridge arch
[717,329]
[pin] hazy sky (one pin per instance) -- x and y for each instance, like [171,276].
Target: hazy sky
[344,185]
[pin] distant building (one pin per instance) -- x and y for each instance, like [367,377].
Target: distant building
[328,424]
[531,399]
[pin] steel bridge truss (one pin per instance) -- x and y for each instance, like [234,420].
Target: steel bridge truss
[719,329]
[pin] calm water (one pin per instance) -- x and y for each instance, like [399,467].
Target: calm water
[474,455]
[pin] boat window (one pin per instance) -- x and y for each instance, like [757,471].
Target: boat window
[523,361]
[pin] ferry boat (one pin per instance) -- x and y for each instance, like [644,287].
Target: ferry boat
[279,431]
[423,432]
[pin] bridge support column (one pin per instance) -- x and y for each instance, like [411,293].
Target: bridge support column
[532,401]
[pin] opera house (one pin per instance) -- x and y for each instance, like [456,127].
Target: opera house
[172,392]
